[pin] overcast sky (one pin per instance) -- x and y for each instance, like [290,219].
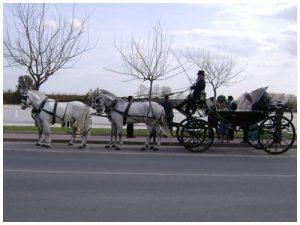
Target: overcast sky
[262,35]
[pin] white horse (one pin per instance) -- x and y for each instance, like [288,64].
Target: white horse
[119,113]
[47,111]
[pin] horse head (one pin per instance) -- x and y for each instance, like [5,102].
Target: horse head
[98,101]
[25,99]
[31,98]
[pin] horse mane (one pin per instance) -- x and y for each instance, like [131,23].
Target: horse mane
[40,94]
[108,94]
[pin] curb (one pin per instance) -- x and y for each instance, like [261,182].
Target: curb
[133,143]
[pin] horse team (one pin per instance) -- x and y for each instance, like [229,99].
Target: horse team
[46,111]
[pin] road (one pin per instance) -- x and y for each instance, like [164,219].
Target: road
[67,184]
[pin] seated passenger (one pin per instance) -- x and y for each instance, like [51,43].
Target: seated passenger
[245,102]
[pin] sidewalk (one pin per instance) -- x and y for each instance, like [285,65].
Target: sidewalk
[64,138]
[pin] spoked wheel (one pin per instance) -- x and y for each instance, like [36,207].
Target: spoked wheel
[180,127]
[252,138]
[276,134]
[196,135]
[286,112]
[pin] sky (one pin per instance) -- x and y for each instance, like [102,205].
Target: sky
[261,35]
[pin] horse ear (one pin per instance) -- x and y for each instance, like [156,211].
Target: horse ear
[24,89]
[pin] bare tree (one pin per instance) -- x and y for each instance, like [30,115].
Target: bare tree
[25,81]
[44,44]
[149,59]
[221,69]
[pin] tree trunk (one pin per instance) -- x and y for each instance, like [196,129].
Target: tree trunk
[215,93]
[150,90]
[37,86]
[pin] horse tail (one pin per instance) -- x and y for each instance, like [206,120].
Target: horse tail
[87,121]
[164,124]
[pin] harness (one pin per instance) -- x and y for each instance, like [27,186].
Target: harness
[125,113]
[54,112]
[36,112]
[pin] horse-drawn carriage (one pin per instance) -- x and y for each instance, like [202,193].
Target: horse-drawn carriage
[265,125]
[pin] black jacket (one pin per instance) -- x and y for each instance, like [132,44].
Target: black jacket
[168,107]
[198,88]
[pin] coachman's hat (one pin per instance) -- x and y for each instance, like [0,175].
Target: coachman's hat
[201,72]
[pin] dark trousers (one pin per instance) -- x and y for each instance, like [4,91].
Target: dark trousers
[245,133]
[170,123]
[130,130]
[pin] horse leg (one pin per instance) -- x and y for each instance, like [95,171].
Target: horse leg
[83,139]
[147,143]
[119,143]
[47,133]
[115,136]
[73,127]
[40,129]
[158,137]
[112,135]
[86,129]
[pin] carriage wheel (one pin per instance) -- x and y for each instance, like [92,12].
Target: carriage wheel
[252,138]
[179,129]
[286,112]
[197,136]
[289,114]
[276,134]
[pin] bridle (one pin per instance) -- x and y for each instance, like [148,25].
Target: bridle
[24,98]
[98,106]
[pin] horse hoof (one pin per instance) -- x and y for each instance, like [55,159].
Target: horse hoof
[38,144]
[113,146]
[81,146]
[151,147]
[118,148]
[106,146]
[46,146]
[155,149]
[143,149]
[70,143]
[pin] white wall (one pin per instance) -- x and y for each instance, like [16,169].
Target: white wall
[14,115]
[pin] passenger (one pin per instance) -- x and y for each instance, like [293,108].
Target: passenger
[245,104]
[229,102]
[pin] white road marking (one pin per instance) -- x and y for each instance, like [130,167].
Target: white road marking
[149,173]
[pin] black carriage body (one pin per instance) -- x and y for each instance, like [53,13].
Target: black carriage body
[241,118]
[245,118]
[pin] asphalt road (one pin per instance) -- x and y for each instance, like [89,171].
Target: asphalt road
[66,184]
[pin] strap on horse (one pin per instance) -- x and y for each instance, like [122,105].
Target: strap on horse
[126,113]
[41,106]
[54,112]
